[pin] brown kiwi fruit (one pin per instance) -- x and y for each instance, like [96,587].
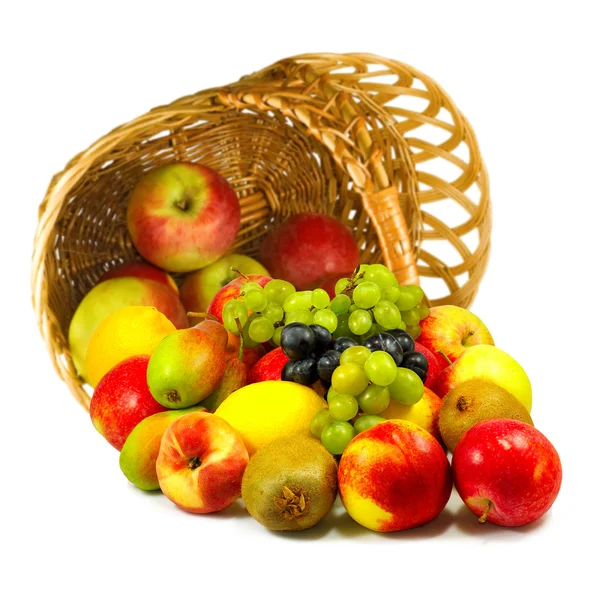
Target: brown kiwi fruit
[473,401]
[290,484]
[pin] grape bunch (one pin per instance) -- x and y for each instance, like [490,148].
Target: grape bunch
[368,303]
[361,378]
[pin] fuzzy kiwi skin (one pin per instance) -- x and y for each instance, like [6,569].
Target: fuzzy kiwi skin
[301,465]
[473,401]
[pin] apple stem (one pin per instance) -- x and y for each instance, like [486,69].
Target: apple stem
[445,356]
[204,315]
[483,517]
[240,273]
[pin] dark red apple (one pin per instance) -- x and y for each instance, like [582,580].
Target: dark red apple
[506,472]
[121,400]
[307,248]
[269,367]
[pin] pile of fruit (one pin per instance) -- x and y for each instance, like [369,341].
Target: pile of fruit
[288,383]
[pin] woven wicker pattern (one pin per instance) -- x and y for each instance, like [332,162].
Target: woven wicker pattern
[321,133]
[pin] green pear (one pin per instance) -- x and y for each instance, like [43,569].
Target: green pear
[235,377]
[140,450]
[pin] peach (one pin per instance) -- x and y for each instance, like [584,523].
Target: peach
[394,476]
[201,462]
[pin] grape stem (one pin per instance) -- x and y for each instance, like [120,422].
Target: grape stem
[204,315]
[240,330]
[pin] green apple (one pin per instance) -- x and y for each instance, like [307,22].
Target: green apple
[140,450]
[200,287]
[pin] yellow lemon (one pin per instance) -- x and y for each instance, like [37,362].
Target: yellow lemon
[264,411]
[128,331]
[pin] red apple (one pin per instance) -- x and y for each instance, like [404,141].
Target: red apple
[307,248]
[121,400]
[201,463]
[394,476]
[141,270]
[230,291]
[183,216]
[269,367]
[328,283]
[434,365]
[451,330]
[506,472]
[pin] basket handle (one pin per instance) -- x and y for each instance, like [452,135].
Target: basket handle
[370,179]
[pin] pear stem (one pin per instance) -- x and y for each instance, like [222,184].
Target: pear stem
[483,517]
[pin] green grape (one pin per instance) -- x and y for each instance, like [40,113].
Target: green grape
[250,286]
[247,340]
[374,399]
[340,304]
[337,435]
[273,312]
[255,300]
[319,421]
[360,322]
[261,330]
[353,308]
[414,331]
[381,368]
[423,311]
[365,422]
[411,316]
[407,387]
[349,379]
[276,336]
[355,354]
[391,294]
[341,285]
[402,326]
[331,393]
[408,297]
[326,318]
[233,311]
[343,407]
[298,300]
[417,293]
[387,314]
[320,298]
[342,329]
[278,290]
[299,316]
[366,294]
[380,275]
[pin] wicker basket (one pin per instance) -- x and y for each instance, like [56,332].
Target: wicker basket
[367,139]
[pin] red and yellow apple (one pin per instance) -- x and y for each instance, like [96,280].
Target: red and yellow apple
[451,330]
[141,270]
[183,216]
[506,472]
[186,367]
[307,248]
[199,288]
[394,476]
[231,291]
[489,363]
[269,367]
[108,296]
[201,462]
[425,413]
[140,450]
[121,400]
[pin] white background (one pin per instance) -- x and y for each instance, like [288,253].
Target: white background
[71,525]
